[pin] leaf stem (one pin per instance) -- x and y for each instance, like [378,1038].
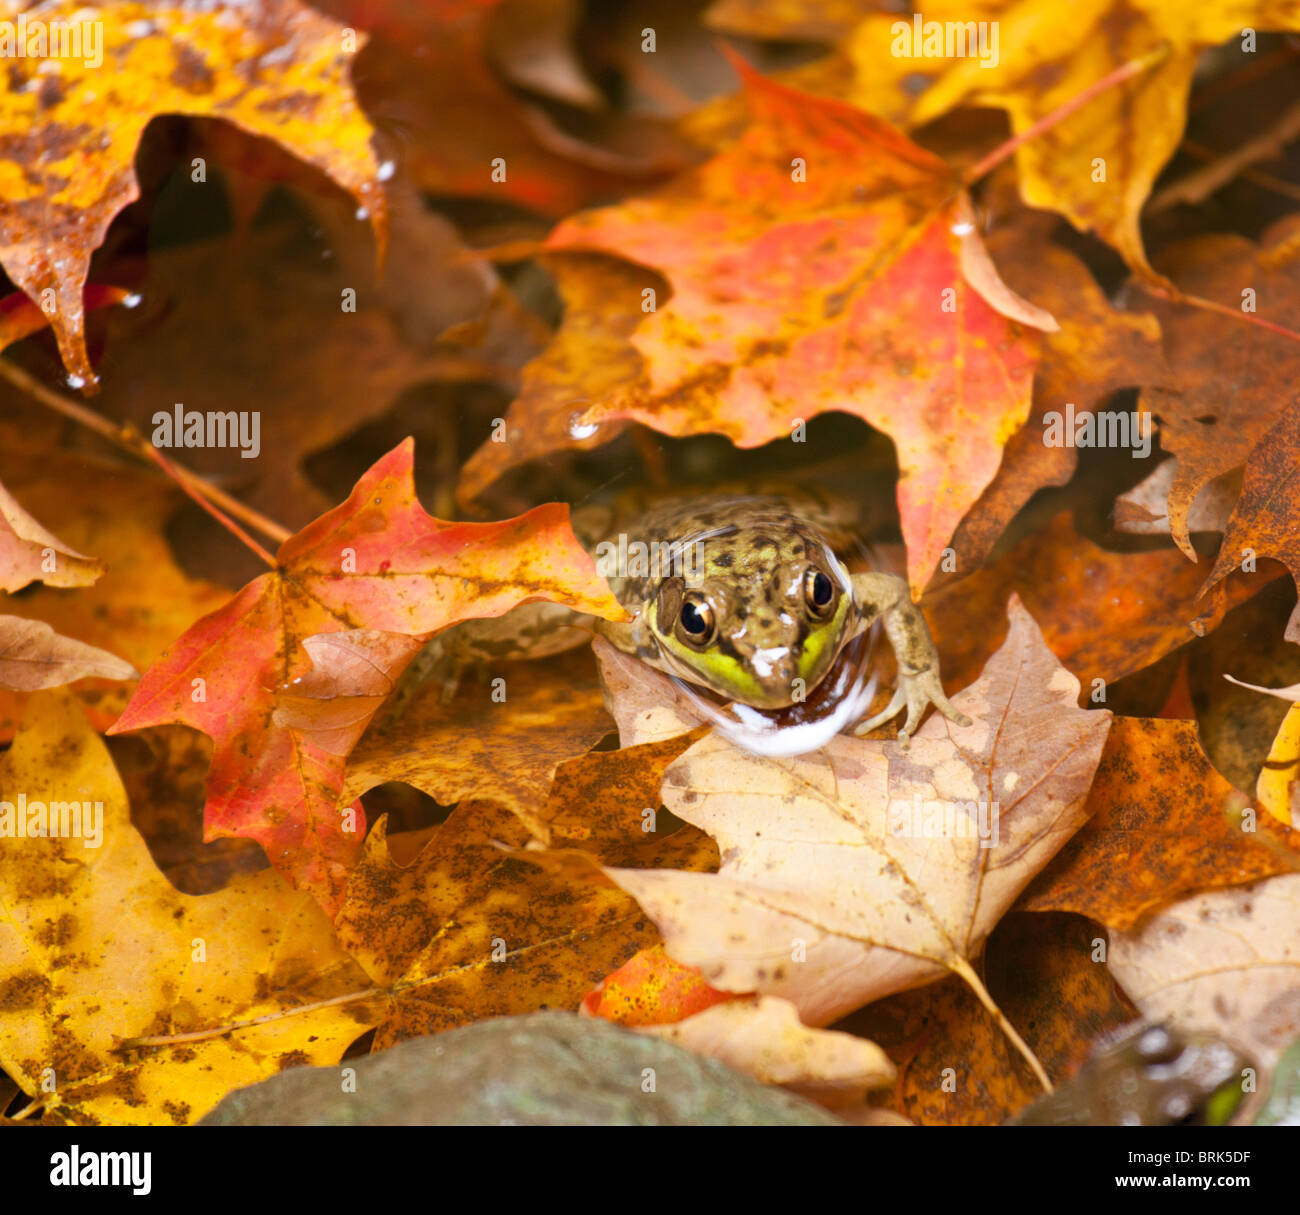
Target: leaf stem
[976,984]
[219,1031]
[1126,71]
[130,439]
[1167,291]
[186,480]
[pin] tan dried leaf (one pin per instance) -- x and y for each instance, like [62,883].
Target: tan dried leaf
[830,894]
[763,1037]
[1226,962]
[33,655]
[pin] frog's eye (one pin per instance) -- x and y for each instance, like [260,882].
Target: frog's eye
[818,594]
[695,621]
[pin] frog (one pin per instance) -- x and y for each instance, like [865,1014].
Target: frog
[749,596]
[1147,1074]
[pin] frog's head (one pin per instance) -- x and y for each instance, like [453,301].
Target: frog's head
[758,614]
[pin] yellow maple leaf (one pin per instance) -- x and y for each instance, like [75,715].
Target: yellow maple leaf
[96,948]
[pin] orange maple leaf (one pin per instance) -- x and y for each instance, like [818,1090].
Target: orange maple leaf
[824,261]
[377,562]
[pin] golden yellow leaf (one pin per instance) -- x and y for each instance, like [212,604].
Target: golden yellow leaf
[97,947]
[72,113]
[1276,788]
[1030,57]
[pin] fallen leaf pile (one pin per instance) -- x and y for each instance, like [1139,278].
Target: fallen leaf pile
[328,333]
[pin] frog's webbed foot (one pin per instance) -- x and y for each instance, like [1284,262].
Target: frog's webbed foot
[886,596]
[916,691]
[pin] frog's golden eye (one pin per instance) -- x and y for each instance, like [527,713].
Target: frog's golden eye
[695,621]
[818,594]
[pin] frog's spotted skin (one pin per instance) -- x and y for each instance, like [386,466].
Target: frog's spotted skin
[746,559]
[764,572]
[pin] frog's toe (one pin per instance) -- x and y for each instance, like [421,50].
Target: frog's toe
[923,690]
[917,692]
[943,704]
[891,710]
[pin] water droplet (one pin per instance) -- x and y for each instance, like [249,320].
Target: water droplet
[134,300]
[75,381]
[363,214]
[385,171]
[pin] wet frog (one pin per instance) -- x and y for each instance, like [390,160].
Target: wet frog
[748,596]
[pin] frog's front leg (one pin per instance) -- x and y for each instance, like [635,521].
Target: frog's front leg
[885,596]
[532,630]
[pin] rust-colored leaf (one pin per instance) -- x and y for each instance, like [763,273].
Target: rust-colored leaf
[1266,520]
[470,929]
[430,71]
[499,743]
[263,324]
[1233,382]
[1105,614]
[1097,350]
[1045,974]
[1162,824]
